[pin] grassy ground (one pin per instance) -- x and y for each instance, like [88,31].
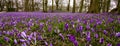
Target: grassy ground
[59,29]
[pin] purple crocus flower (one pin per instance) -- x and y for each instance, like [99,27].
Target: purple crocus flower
[118,44]
[14,23]
[72,39]
[88,27]
[88,33]
[8,32]
[66,26]
[19,35]
[15,30]
[72,23]
[79,28]
[31,35]
[61,36]
[109,44]
[105,32]
[88,38]
[40,37]
[99,22]
[85,22]
[50,28]
[23,34]
[78,20]
[22,40]
[11,33]
[6,39]
[46,43]
[0,33]
[51,44]
[95,25]
[24,44]
[29,38]
[15,41]
[34,34]
[117,34]
[75,43]
[96,35]
[92,29]
[34,37]
[29,24]
[112,34]
[91,21]
[28,42]
[101,40]
[41,26]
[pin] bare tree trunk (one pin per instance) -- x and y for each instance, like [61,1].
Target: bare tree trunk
[46,2]
[94,6]
[74,3]
[16,5]
[0,5]
[43,6]
[33,5]
[100,6]
[81,6]
[117,9]
[68,6]
[10,6]
[108,5]
[26,5]
[57,4]
[60,5]
[118,6]
[105,5]
[52,5]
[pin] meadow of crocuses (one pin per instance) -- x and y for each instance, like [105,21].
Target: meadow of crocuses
[59,29]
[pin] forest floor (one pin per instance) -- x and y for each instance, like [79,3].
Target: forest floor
[59,29]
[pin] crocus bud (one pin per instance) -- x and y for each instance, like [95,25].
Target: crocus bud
[66,26]
[96,35]
[23,34]
[109,44]
[101,40]
[61,36]
[117,34]
[15,41]
[51,44]
[118,44]
[6,39]
[105,32]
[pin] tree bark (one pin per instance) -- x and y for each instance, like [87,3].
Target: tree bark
[94,6]
[10,6]
[118,6]
[0,5]
[46,2]
[52,5]
[74,4]
[16,5]
[68,6]
[108,5]
[57,4]
[33,5]
[81,6]
[43,6]
[26,5]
